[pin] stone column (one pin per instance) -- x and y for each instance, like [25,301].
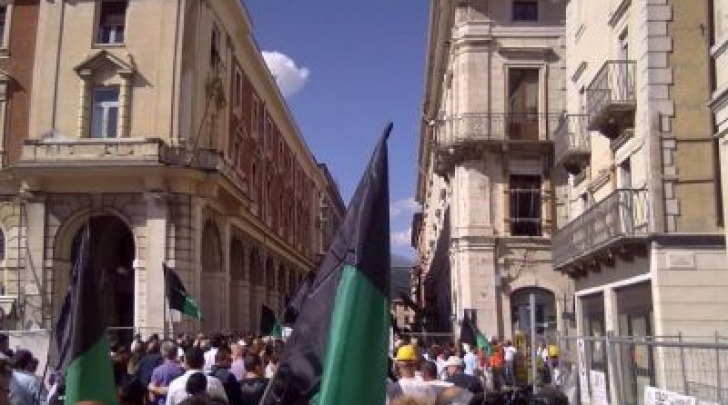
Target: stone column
[156,249]
[226,290]
[33,277]
[124,104]
[196,220]
[84,97]
[472,249]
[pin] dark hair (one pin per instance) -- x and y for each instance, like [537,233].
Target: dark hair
[251,362]
[429,368]
[22,359]
[195,358]
[196,384]
[216,340]
[222,354]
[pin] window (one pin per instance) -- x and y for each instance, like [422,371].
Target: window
[523,89]
[112,21]
[238,91]
[525,205]
[215,59]
[255,115]
[525,10]
[105,112]
[3,23]
[624,179]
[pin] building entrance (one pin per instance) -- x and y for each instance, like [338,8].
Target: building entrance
[112,253]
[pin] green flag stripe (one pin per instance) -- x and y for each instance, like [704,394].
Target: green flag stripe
[358,335]
[89,376]
[190,308]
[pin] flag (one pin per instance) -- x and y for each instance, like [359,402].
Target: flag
[269,326]
[337,353]
[470,334]
[294,303]
[80,348]
[177,295]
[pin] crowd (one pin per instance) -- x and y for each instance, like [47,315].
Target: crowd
[235,369]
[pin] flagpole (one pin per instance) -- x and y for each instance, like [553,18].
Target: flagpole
[164,304]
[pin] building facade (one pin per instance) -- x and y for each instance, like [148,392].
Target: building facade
[719,98]
[640,227]
[173,144]
[493,96]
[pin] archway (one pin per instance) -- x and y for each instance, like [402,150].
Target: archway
[521,311]
[112,252]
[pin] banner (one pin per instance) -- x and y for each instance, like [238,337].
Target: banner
[656,396]
[598,382]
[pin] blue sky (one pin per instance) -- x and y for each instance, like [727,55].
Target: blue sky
[346,69]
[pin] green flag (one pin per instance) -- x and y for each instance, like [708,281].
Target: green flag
[269,325]
[470,334]
[80,348]
[337,353]
[177,295]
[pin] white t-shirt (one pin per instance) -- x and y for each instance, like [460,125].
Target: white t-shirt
[210,359]
[412,387]
[509,353]
[177,392]
[471,363]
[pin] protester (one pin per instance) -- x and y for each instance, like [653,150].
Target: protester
[237,367]
[194,362]
[254,383]
[408,384]
[221,371]
[509,355]
[25,387]
[456,375]
[470,360]
[164,374]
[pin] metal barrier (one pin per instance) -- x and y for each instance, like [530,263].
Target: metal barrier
[618,369]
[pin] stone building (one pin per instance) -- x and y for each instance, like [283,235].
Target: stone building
[18,28]
[640,227]
[157,124]
[719,99]
[493,97]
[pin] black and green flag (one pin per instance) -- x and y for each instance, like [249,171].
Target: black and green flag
[269,325]
[177,295]
[470,334]
[79,348]
[337,353]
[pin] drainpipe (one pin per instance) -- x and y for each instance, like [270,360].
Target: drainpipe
[58,64]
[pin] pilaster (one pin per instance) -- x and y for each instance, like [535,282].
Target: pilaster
[156,232]
[33,281]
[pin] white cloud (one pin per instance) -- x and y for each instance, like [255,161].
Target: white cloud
[405,206]
[288,75]
[401,238]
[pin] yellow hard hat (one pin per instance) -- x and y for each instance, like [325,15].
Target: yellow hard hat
[406,353]
[553,351]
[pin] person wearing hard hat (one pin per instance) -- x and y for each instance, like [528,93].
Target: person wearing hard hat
[408,384]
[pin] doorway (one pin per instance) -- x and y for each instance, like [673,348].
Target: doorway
[112,252]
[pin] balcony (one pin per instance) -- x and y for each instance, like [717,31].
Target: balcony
[612,225]
[55,154]
[611,98]
[571,143]
[472,128]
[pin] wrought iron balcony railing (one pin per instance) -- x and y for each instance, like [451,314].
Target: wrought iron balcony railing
[571,142]
[499,127]
[619,218]
[611,98]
